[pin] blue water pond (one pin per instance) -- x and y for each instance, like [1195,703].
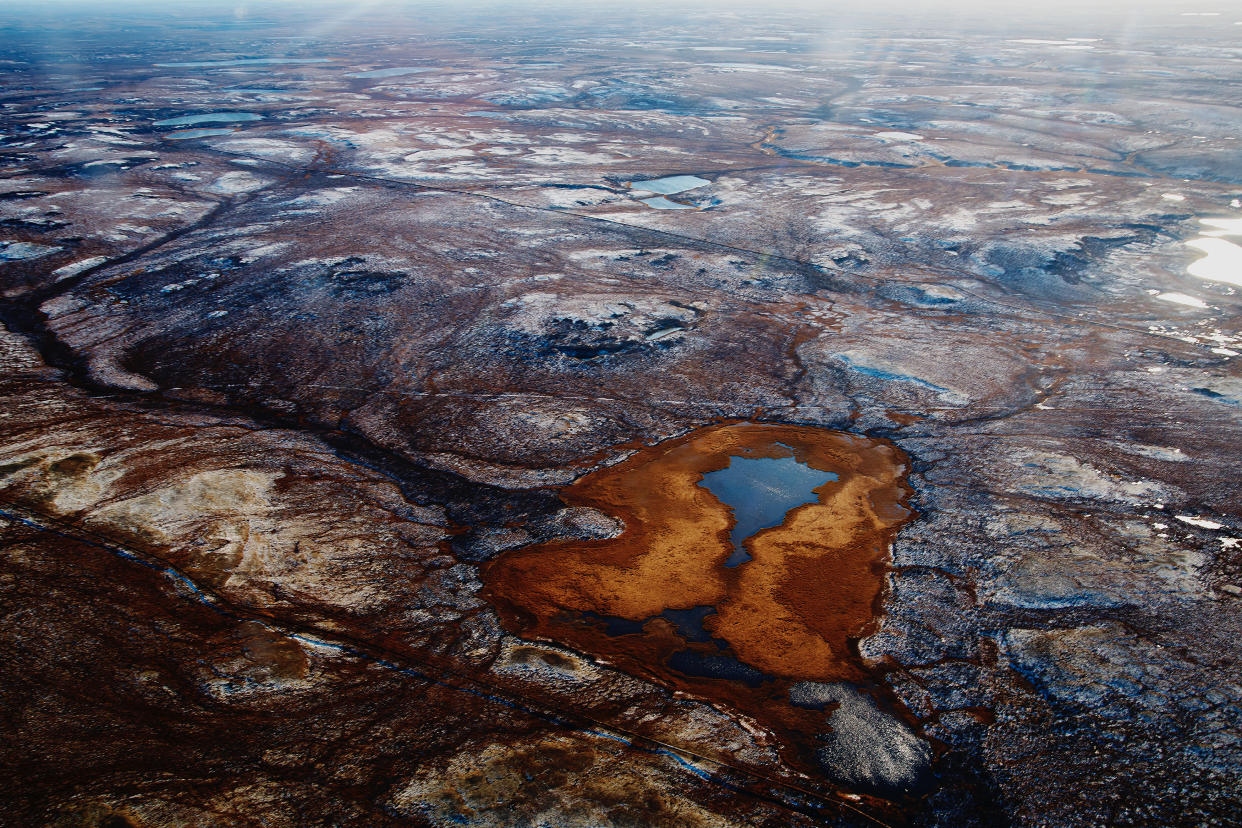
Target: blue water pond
[671,184]
[760,491]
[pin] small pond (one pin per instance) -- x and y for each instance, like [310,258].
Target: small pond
[760,491]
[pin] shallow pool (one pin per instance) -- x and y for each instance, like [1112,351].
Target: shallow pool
[670,184]
[760,491]
[662,203]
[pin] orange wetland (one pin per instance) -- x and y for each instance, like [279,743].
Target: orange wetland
[659,599]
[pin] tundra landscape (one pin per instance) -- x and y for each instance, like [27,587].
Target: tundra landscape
[637,414]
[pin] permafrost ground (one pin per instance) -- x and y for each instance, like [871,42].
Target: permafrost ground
[360,371]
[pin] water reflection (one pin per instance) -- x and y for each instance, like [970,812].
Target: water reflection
[210,118]
[662,203]
[760,491]
[670,184]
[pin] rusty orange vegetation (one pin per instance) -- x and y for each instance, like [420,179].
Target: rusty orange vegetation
[812,587]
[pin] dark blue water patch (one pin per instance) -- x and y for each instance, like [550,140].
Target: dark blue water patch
[760,492]
[724,667]
[1119,173]
[615,625]
[689,622]
[1229,399]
